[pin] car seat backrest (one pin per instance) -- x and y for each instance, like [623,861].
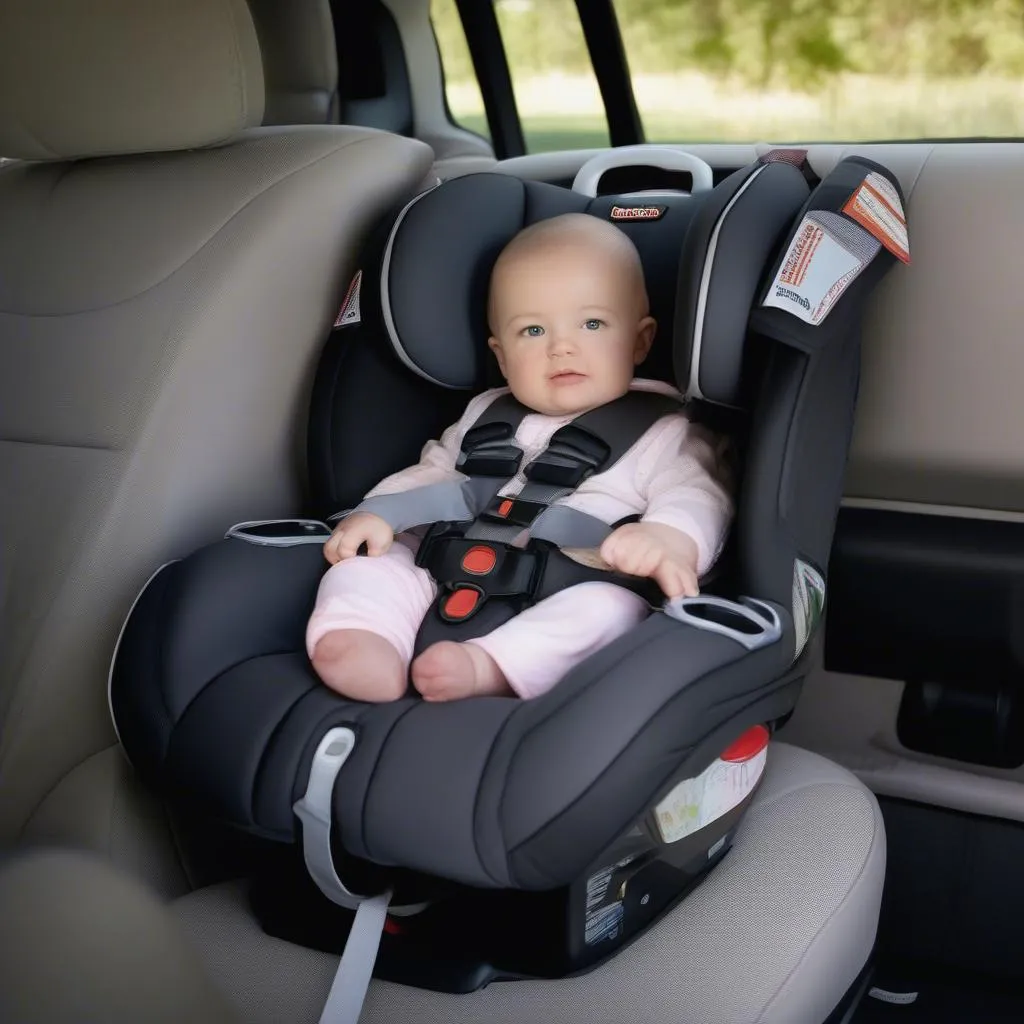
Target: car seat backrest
[161,307]
[423,293]
[300,63]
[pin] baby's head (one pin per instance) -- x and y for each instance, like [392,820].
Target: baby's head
[568,314]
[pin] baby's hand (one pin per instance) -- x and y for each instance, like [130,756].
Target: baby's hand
[357,529]
[659,552]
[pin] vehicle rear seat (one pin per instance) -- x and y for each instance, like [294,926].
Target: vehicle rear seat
[162,311]
[300,67]
[300,63]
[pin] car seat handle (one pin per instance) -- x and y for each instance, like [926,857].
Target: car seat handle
[664,157]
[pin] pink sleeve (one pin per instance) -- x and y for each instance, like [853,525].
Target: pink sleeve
[687,486]
[437,460]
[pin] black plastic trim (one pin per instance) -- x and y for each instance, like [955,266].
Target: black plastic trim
[608,57]
[483,37]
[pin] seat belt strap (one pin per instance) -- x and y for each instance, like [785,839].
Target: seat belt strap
[348,990]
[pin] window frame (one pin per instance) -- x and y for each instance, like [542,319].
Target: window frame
[605,49]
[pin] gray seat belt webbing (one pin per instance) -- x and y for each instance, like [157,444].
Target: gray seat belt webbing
[348,990]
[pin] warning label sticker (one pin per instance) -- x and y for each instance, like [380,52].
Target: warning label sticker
[349,313]
[815,271]
[877,208]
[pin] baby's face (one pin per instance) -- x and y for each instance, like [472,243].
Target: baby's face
[570,326]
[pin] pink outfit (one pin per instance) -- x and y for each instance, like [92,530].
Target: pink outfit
[673,475]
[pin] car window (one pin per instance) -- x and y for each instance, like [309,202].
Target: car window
[462,90]
[742,71]
[825,70]
[556,90]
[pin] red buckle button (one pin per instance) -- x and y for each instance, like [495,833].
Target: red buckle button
[749,745]
[479,560]
[460,603]
[504,508]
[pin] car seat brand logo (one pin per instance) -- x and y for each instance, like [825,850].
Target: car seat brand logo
[637,212]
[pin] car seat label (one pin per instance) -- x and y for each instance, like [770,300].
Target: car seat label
[876,206]
[697,802]
[349,313]
[605,909]
[808,602]
[825,255]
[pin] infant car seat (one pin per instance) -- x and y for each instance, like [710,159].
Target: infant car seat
[525,838]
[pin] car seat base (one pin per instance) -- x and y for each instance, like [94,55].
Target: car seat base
[466,938]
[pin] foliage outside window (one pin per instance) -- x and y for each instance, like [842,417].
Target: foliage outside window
[775,70]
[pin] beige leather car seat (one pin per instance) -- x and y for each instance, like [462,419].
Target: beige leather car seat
[167,277]
[300,62]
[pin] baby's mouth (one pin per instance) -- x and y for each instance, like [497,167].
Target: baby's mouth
[567,377]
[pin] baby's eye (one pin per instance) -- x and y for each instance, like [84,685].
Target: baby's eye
[593,324]
[533,331]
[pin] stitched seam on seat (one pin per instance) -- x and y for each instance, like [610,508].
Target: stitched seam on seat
[348,144]
[501,798]
[72,445]
[261,763]
[240,78]
[370,777]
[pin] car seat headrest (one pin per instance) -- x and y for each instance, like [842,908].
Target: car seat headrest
[300,63]
[86,78]
[703,257]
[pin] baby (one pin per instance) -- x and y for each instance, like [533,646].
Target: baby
[569,317]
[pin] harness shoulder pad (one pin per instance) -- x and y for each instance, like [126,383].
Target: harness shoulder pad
[596,440]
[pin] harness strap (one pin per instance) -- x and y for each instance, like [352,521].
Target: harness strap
[591,443]
[478,562]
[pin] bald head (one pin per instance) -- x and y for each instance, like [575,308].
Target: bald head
[568,313]
[569,233]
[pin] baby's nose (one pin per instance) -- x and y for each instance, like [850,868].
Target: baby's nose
[561,341]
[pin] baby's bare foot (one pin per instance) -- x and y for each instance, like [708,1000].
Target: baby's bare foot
[361,665]
[450,671]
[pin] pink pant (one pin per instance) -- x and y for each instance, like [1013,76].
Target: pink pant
[389,595]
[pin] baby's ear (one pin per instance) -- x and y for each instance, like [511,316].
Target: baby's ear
[495,346]
[645,332]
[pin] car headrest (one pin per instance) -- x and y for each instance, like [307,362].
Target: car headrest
[86,78]
[300,62]
[704,256]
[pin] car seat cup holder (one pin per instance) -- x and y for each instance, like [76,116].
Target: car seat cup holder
[749,622]
[280,533]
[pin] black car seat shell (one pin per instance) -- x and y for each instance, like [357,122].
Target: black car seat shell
[218,707]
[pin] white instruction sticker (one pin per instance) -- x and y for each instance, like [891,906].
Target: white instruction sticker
[876,207]
[697,802]
[349,313]
[815,271]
